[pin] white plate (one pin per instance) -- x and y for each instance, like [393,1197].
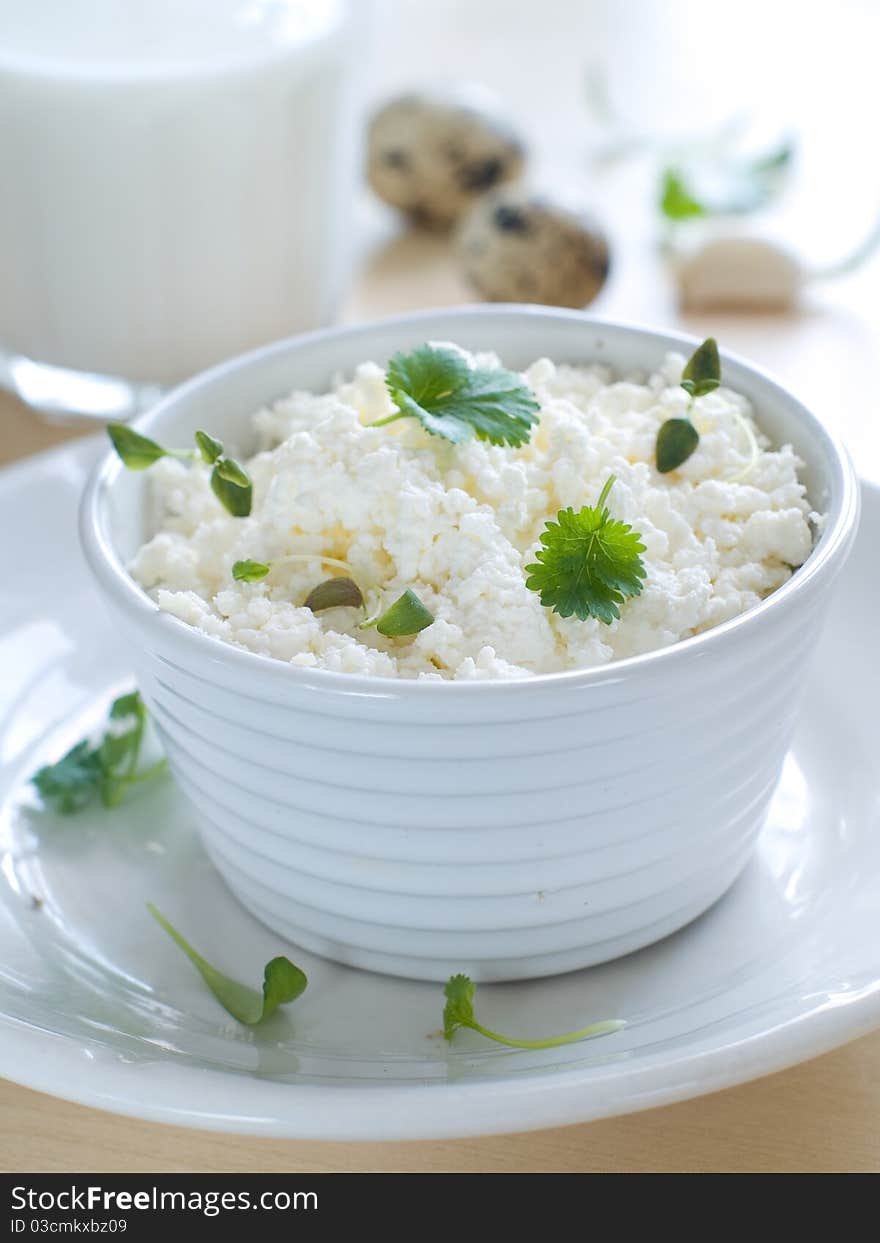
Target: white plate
[98,1006]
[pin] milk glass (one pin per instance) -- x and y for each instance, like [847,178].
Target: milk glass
[177,182]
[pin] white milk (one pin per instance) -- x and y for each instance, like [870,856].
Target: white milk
[177,177]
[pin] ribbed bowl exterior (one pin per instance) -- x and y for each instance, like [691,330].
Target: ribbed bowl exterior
[506,830]
[546,831]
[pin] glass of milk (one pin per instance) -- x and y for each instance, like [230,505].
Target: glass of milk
[178,178]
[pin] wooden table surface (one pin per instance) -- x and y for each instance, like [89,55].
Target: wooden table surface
[821,1116]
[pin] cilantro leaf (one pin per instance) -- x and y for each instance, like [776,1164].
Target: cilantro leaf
[459,1012]
[459,1009]
[130,705]
[589,564]
[73,781]
[283,981]
[104,770]
[120,748]
[435,385]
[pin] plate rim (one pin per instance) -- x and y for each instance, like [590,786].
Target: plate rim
[503,1106]
[208,1099]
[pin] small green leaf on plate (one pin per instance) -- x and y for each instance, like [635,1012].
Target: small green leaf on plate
[702,372]
[458,1012]
[283,981]
[136,451]
[73,781]
[130,705]
[120,748]
[103,770]
[209,447]
[676,441]
[459,1009]
[250,571]
[334,593]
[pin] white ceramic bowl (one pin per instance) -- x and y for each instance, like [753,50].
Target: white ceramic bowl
[505,829]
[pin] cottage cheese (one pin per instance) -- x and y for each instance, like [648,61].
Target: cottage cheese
[459,524]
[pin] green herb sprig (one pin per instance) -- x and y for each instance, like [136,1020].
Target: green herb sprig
[250,571]
[459,1012]
[230,482]
[589,564]
[726,186]
[136,451]
[435,385]
[406,616]
[104,771]
[678,438]
[677,199]
[334,593]
[283,981]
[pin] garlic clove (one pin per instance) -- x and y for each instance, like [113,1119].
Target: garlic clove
[739,273]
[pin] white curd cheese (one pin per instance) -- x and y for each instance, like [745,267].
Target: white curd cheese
[458,524]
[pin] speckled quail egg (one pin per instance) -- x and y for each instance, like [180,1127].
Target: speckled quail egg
[520,246]
[432,155]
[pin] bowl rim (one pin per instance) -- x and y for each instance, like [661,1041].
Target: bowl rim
[825,557]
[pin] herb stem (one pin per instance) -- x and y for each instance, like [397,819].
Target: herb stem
[603,1028]
[391,418]
[312,557]
[855,259]
[192,954]
[115,787]
[603,495]
[134,754]
[754,450]
[154,770]
[100,770]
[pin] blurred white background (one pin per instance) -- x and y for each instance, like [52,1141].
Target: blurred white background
[676,67]
[673,69]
